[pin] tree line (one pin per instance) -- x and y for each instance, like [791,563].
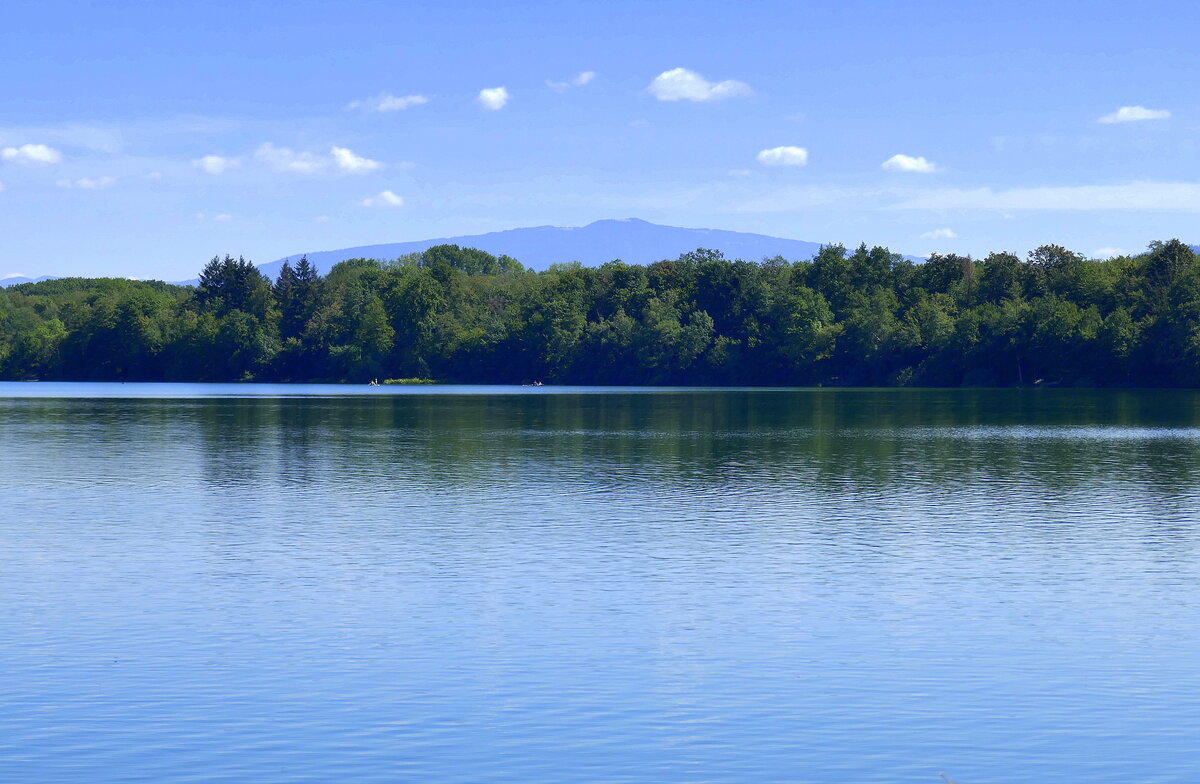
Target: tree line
[865,317]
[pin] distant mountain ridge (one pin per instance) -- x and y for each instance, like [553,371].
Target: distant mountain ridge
[631,240]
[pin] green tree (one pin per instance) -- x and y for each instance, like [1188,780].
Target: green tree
[228,284]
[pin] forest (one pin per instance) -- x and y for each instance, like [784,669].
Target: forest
[865,317]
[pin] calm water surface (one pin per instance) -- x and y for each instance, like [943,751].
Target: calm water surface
[278,584]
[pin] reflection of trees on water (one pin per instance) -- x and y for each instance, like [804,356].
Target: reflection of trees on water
[907,468]
[901,473]
[819,441]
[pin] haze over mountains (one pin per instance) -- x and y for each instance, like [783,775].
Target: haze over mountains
[631,240]
[16,280]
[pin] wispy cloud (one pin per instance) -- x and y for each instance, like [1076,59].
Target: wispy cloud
[1134,114]
[31,154]
[908,163]
[680,84]
[939,234]
[783,156]
[284,159]
[386,102]
[1166,196]
[1180,197]
[579,81]
[384,199]
[493,98]
[88,183]
[216,164]
[287,160]
[796,198]
[1109,253]
[340,159]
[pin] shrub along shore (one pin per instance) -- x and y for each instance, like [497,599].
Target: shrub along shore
[861,318]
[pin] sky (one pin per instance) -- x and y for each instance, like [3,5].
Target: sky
[141,139]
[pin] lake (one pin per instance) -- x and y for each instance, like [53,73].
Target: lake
[495,584]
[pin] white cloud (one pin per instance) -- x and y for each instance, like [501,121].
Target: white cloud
[907,163]
[783,156]
[1109,253]
[384,199]
[216,164]
[223,217]
[1134,114]
[939,234]
[31,153]
[493,98]
[87,183]
[1167,196]
[386,102]
[347,161]
[680,84]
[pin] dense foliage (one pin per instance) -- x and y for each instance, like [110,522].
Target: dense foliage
[458,314]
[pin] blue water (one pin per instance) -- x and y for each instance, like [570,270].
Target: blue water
[473,584]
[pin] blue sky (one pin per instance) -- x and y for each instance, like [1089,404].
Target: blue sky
[143,138]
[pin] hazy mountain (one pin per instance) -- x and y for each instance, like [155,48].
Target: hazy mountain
[17,280]
[631,240]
